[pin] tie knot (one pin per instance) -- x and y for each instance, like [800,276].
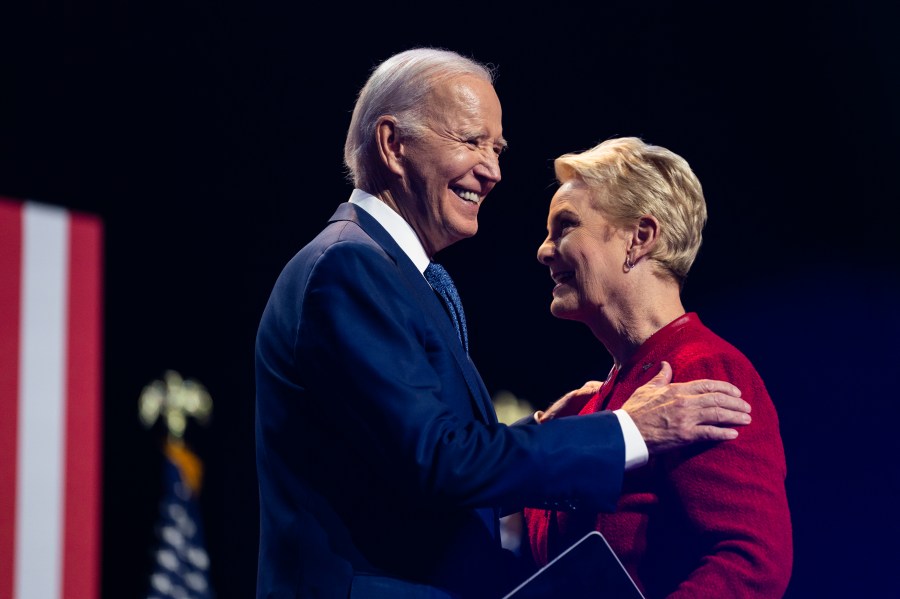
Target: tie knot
[438,277]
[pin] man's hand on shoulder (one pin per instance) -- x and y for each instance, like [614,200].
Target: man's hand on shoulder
[671,415]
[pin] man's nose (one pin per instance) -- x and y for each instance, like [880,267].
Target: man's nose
[489,167]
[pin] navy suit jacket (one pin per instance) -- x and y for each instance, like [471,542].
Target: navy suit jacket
[378,451]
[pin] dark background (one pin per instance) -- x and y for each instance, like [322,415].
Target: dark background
[208,136]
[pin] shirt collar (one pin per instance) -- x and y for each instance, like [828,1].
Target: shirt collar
[396,226]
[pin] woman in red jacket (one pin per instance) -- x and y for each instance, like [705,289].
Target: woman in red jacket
[711,520]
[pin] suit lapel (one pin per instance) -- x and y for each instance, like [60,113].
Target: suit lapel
[431,303]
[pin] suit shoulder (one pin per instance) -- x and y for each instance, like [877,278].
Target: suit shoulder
[340,240]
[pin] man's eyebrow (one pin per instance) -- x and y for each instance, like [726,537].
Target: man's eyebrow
[481,134]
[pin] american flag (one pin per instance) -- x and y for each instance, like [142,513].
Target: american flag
[181,566]
[50,395]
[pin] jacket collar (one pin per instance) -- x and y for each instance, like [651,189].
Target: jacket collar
[425,295]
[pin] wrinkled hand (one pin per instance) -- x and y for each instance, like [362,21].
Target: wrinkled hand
[671,415]
[570,403]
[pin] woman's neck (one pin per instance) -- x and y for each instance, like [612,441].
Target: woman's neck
[630,326]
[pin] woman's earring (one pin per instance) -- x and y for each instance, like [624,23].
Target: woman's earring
[628,263]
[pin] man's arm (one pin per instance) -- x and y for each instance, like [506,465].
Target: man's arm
[400,405]
[669,415]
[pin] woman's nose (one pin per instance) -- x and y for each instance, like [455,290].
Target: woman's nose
[545,252]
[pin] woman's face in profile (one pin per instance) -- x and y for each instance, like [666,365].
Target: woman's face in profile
[585,254]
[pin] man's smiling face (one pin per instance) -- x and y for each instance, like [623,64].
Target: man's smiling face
[453,165]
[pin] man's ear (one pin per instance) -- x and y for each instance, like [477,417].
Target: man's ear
[389,147]
[644,237]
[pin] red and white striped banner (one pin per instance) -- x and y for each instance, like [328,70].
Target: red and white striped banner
[50,396]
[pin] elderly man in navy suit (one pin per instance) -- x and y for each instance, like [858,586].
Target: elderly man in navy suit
[381,463]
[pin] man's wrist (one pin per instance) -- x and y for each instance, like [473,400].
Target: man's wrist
[636,453]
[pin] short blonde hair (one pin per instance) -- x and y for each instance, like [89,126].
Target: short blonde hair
[629,178]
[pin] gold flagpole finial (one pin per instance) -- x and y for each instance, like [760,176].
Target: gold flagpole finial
[174,400]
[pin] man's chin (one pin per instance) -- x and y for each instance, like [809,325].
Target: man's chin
[466,232]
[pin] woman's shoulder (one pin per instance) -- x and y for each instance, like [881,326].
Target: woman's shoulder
[701,353]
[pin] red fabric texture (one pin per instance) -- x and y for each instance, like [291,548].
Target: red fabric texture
[710,520]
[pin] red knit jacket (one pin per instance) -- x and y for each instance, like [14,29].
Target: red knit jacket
[710,520]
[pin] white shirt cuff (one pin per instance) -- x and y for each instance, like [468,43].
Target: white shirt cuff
[636,453]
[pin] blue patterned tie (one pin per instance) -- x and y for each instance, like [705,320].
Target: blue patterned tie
[441,282]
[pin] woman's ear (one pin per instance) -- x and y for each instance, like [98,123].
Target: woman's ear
[644,237]
[390,150]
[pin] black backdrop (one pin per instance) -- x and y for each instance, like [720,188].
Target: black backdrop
[208,136]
